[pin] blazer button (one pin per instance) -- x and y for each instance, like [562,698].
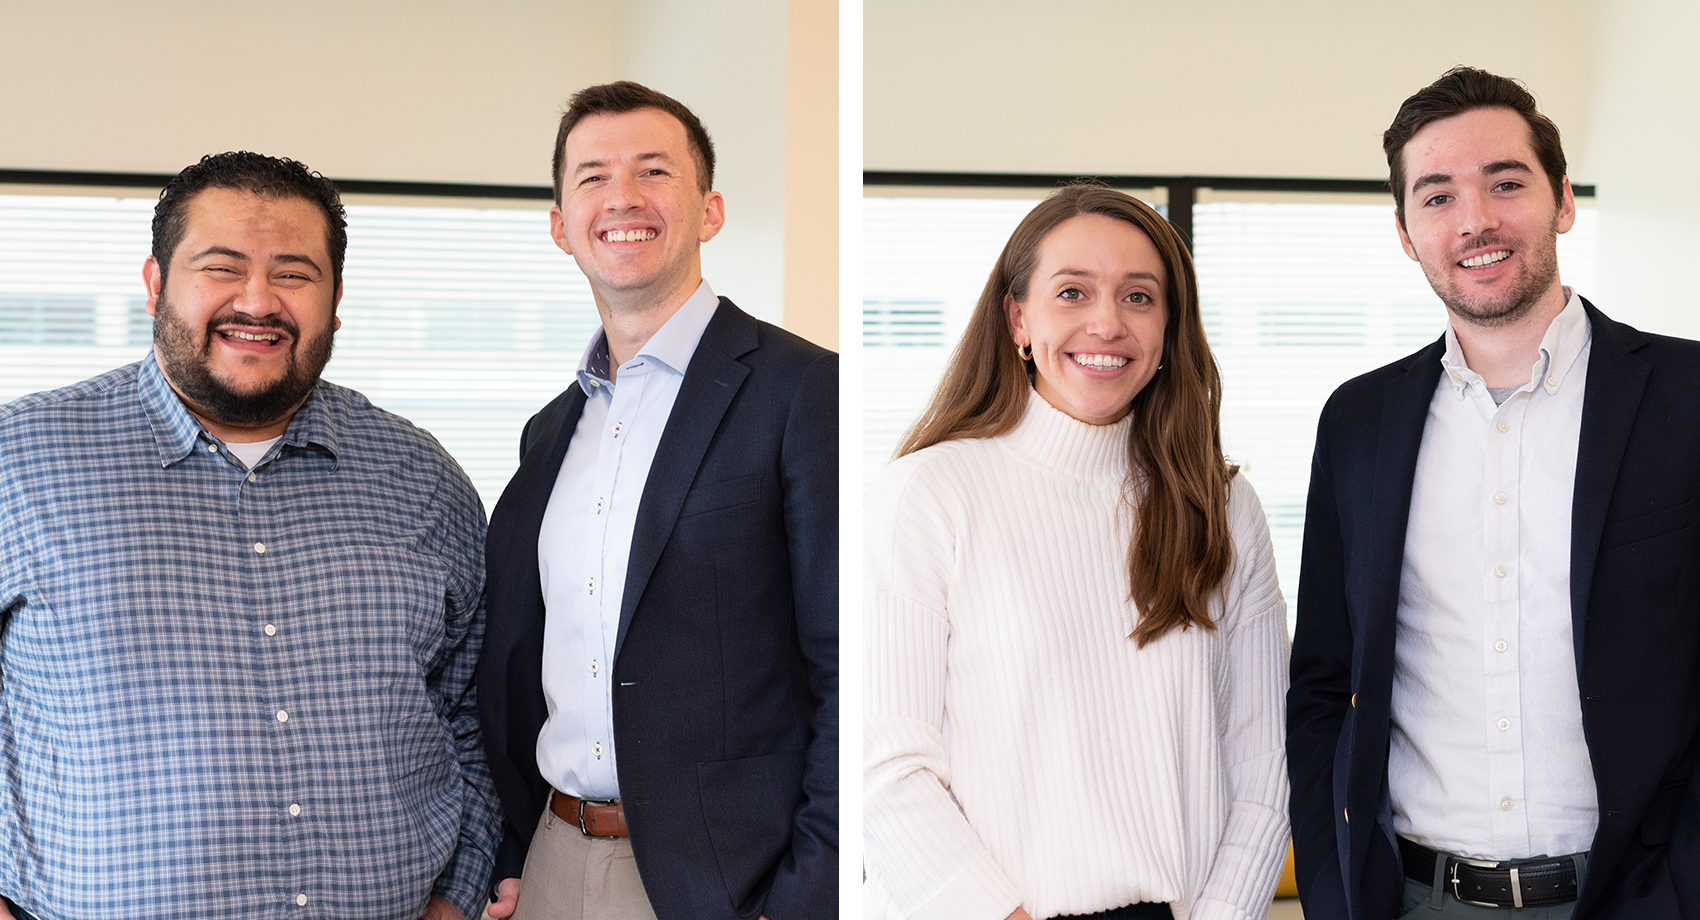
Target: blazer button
[1354,701]
[1347,812]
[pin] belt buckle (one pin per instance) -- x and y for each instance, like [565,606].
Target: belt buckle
[1454,862]
[582,827]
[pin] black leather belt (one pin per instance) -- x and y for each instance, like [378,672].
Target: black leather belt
[1539,882]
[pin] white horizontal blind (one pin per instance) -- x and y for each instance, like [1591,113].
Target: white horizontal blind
[1297,298]
[465,321]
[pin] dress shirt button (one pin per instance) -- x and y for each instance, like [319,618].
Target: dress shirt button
[1505,803]
[594,383]
[253,477]
[597,750]
[619,427]
[1503,425]
[294,810]
[1499,498]
[1499,571]
[282,716]
[590,585]
[1552,381]
[212,448]
[1501,645]
[259,547]
[593,667]
[600,504]
[1504,724]
[271,630]
[301,900]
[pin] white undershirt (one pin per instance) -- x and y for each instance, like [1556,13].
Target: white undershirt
[1487,758]
[250,452]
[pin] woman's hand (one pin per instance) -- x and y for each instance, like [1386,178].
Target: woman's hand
[1020,914]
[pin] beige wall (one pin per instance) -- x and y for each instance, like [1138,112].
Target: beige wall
[1298,88]
[424,90]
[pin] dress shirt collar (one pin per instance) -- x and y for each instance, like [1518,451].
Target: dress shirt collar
[1565,336]
[672,345]
[176,430]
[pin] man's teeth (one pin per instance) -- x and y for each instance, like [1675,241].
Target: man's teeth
[253,336]
[1486,258]
[1104,362]
[628,236]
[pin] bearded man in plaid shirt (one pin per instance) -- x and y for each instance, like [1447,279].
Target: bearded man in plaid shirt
[240,607]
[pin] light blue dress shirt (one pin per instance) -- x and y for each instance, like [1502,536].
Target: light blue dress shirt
[586,541]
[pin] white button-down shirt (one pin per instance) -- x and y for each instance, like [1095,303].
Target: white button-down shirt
[586,541]
[1487,758]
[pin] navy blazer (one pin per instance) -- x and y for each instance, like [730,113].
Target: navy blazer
[1635,602]
[725,669]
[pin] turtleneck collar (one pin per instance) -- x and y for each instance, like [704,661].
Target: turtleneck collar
[1055,440]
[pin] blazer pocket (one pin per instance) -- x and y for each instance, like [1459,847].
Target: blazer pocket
[725,494]
[1648,525]
[1659,822]
[748,805]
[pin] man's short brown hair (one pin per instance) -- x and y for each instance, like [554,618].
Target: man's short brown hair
[1465,89]
[626,96]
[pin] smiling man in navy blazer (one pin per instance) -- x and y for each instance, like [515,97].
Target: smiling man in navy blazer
[660,672]
[1495,703]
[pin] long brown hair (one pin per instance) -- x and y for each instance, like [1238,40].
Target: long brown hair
[1180,549]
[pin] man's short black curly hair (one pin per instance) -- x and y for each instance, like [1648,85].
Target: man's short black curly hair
[270,177]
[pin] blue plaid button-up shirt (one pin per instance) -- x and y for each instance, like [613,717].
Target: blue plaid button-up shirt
[236,693]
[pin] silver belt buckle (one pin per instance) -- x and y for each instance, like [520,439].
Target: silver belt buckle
[582,827]
[1456,861]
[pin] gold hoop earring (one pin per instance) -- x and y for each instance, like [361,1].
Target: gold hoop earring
[1024,352]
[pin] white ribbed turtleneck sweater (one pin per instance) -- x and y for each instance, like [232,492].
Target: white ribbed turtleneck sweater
[1020,749]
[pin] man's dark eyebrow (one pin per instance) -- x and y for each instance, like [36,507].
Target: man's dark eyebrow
[1500,166]
[286,258]
[601,164]
[1430,179]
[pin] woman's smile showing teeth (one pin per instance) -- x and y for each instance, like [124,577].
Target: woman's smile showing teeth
[1102,362]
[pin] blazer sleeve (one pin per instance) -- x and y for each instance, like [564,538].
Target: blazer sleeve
[806,883]
[1320,695]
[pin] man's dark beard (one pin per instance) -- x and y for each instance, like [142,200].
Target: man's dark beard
[185,362]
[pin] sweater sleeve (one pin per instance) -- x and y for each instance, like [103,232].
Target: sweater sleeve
[920,848]
[1251,688]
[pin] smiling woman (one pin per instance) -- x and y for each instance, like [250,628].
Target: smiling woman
[1063,575]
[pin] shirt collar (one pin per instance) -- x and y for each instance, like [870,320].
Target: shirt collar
[671,346]
[1565,337]
[176,431]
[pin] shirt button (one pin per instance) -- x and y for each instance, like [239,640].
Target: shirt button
[1499,498]
[1552,381]
[1501,645]
[282,716]
[212,448]
[1505,803]
[1503,425]
[1504,724]
[294,810]
[301,900]
[619,427]
[253,477]
[590,586]
[271,630]
[593,667]
[259,547]
[596,749]
[600,503]
[1499,571]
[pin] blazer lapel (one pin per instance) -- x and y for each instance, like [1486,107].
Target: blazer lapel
[518,518]
[711,382]
[1616,380]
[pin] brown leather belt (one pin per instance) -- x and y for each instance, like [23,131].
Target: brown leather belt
[594,817]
